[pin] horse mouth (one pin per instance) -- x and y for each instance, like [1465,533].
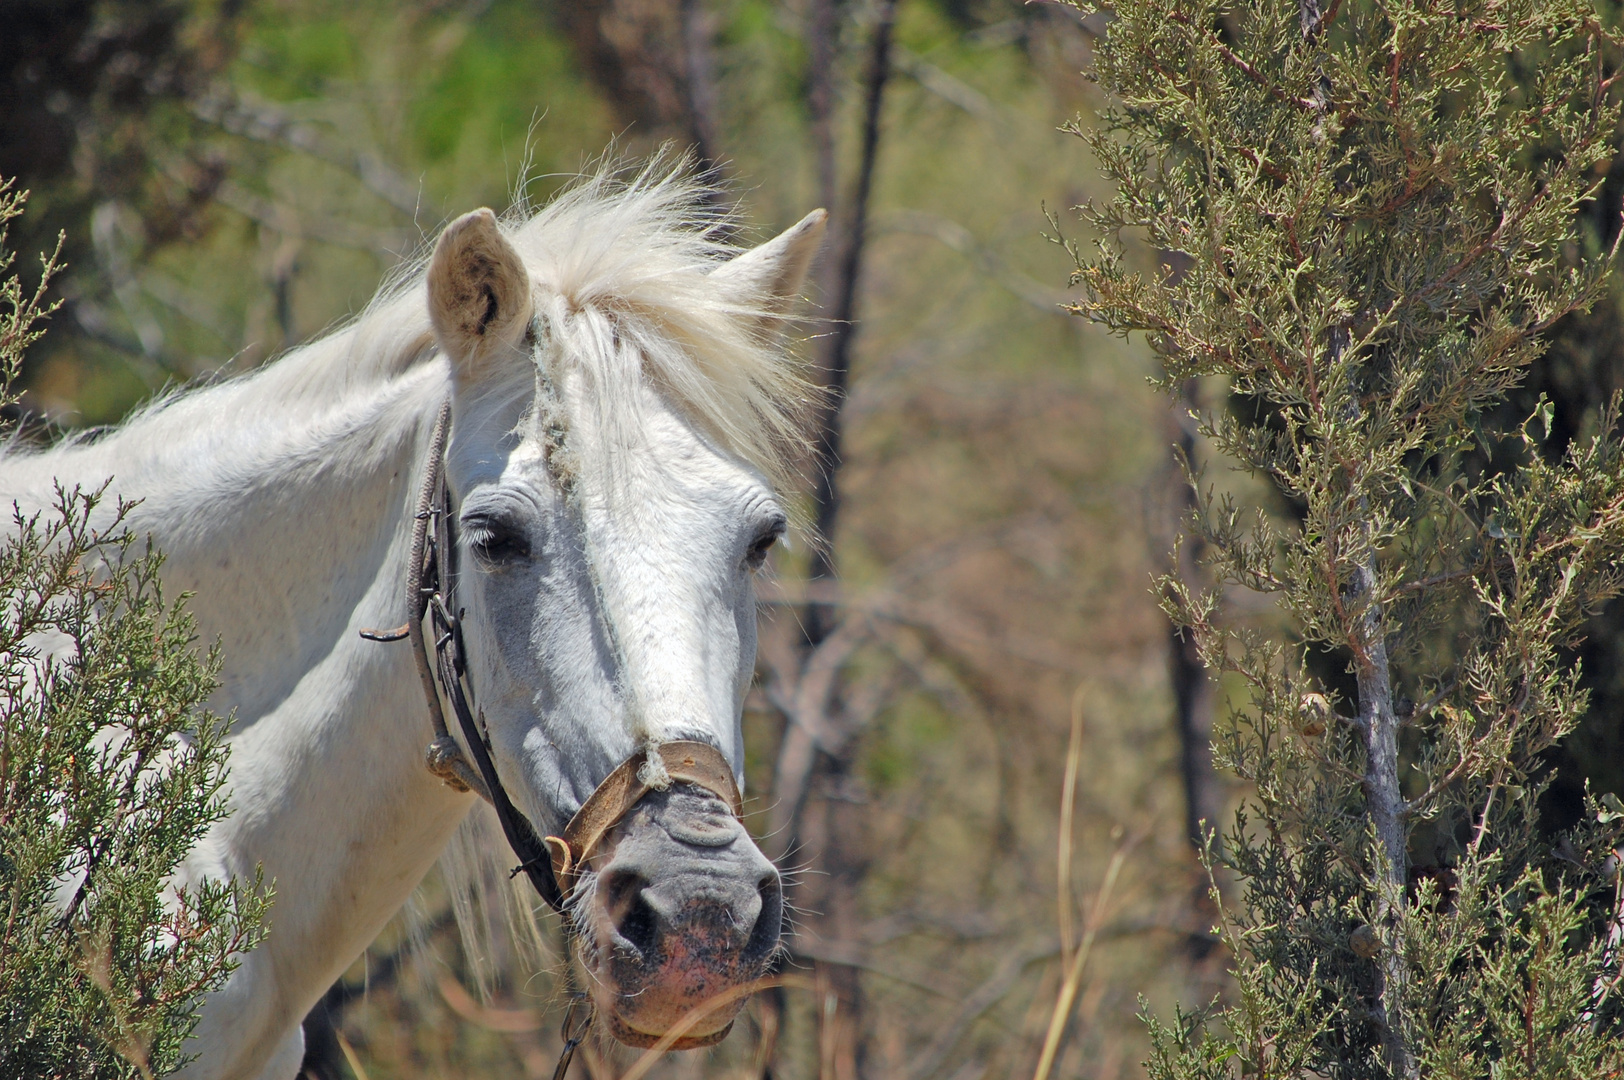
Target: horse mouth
[643,1040]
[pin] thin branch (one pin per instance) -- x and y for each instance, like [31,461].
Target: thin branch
[843,311]
[998,985]
[986,261]
[953,90]
[261,121]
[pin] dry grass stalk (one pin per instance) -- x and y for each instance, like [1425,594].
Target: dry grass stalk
[351,1057]
[509,1021]
[1072,964]
[1068,799]
[1074,975]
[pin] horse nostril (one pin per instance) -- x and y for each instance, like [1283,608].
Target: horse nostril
[629,912]
[769,924]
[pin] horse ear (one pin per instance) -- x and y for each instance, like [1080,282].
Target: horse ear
[479,293]
[774,272]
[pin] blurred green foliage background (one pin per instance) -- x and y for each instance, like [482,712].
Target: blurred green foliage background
[236,176]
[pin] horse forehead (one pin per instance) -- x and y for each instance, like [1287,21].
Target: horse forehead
[646,448]
[679,459]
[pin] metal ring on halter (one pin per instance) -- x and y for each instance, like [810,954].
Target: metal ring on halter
[574,1031]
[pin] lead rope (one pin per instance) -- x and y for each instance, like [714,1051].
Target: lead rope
[580,1014]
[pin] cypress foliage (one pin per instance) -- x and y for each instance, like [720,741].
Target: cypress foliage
[110,771]
[1373,208]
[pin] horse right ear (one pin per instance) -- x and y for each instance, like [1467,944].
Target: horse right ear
[479,293]
[774,272]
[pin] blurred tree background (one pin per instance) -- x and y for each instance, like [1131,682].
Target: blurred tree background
[235,176]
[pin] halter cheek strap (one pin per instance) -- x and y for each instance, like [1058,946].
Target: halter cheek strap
[553,865]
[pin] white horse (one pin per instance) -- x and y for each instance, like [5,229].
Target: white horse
[618,413]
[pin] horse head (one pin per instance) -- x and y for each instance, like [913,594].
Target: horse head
[616,414]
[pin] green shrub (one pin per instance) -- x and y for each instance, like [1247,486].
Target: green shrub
[110,771]
[1372,207]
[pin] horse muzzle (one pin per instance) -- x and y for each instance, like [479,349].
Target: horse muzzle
[684,910]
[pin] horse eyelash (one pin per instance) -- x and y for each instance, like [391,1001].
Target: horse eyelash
[757,555]
[492,541]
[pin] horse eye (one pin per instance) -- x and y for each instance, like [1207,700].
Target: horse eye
[757,555]
[496,541]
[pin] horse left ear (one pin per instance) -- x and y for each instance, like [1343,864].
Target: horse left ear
[774,272]
[479,293]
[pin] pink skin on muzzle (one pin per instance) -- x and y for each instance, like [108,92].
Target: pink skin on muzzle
[682,909]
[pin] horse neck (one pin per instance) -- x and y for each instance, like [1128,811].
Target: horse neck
[275,506]
[288,517]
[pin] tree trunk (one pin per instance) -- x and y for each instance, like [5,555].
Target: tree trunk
[700,83]
[1192,687]
[832,833]
[829,830]
[1385,804]
[1384,801]
[822,30]
[842,313]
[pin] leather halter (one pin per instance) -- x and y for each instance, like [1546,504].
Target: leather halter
[554,864]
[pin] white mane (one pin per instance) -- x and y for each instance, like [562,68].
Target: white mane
[621,265]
